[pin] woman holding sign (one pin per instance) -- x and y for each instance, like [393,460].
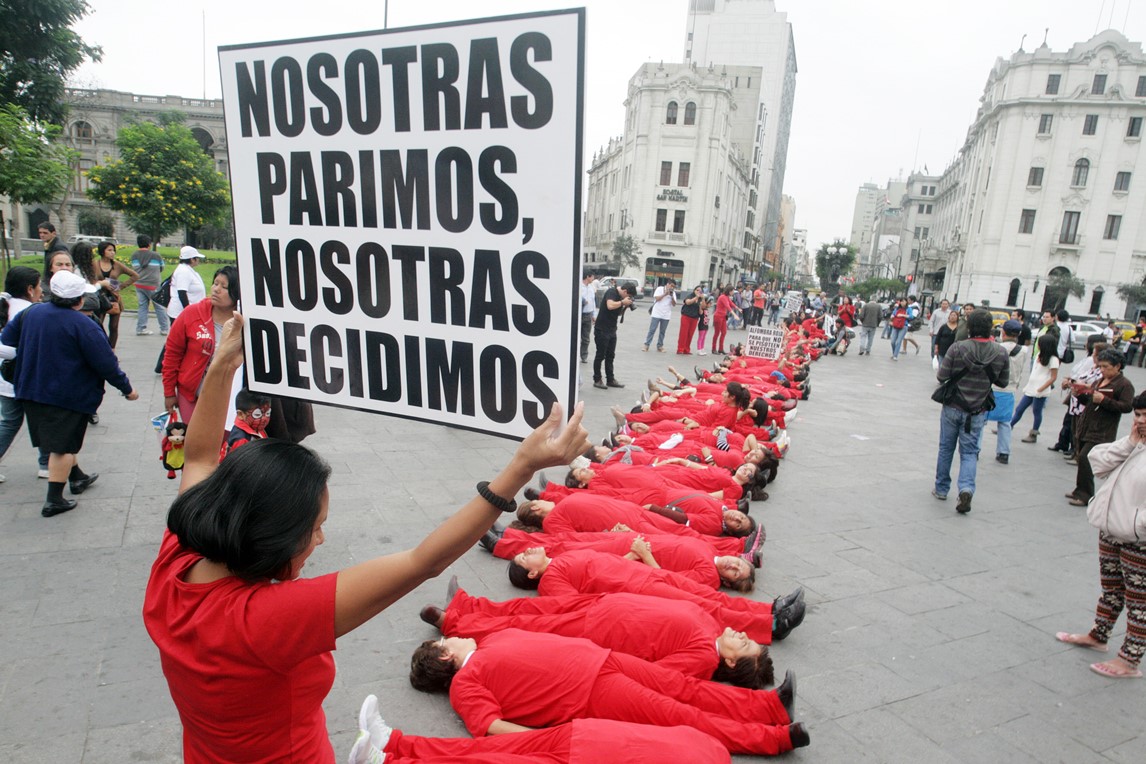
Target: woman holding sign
[245,642]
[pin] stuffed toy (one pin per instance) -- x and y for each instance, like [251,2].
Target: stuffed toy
[173,441]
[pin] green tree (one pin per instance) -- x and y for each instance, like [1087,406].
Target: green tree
[1059,286]
[831,265]
[626,251]
[38,50]
[96,221]
[873,286]
[162,182]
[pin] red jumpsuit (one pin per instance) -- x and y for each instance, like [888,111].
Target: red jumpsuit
[588,572]
[583,512]
[538,680]
[672,633]
[691,558]
[582,741]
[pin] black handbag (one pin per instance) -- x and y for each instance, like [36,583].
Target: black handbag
[8,370]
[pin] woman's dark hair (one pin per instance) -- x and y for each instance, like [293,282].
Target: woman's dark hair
[753,673]
[428,671]
[104,245]
[744,585]
[1112,357]
[527,514]
[257,511]
[64,302]
[743,532]
[82,257]
[232,274]
[17,283]
[1140,400]
[519,577]
[571,480]
[760,406]
[1048,348]
[1095,342]
[768,468]
[48,257]
[740,395]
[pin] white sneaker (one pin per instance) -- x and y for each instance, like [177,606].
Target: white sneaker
[163,334]
[43,474]
[702,352]
[365,752]
[2,478]
[144,333]
[370,721]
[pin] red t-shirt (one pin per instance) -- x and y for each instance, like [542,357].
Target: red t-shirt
[536,680]
[247,664]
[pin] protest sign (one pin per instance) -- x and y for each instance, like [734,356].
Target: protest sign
[407,217]
[765,342]
[793,303]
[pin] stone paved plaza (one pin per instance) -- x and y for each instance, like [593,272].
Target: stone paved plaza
[929,635]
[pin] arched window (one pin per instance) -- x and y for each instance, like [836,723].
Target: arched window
[690,113]
[1081,171]
[1013,295]
[1096,300]
[670,113]
[82,132]
[204,139]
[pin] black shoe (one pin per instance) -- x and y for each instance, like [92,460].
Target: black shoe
[93,419]
[532,494]
[786,692]
[787,619]
[542,481]
[699,374]
[1055,447]
[613,383]
[79,486]
[743,504]
[452,585]
[1003,458]
[53,508]
[788,600]
[964,505]
[489,540]
[798,735]
[600,385]
[433,615]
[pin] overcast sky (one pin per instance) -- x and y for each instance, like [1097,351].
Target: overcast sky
[883,87]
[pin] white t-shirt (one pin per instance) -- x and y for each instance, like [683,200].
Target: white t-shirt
[662,306]
[15,306]
[185,279]
[1040,375]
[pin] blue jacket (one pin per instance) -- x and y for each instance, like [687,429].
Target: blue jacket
[63,358]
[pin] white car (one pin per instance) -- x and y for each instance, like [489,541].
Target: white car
[1081,330]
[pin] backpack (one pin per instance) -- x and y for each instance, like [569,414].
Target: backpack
[162,295]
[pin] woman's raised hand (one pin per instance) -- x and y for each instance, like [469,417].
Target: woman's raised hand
[546,447]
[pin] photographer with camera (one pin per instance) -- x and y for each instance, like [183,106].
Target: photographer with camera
[616,301]
[661,311]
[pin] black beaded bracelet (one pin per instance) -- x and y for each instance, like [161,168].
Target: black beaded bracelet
[502,503]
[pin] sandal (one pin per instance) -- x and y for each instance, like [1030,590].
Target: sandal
[1076,640]
[1114,673]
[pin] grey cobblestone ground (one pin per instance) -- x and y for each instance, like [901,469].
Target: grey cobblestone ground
[928,637]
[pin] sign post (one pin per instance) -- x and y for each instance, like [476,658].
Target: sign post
[407,217]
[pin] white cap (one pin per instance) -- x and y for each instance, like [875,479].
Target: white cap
[69,286]
[189,253]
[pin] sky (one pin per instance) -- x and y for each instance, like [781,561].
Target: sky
[882,88]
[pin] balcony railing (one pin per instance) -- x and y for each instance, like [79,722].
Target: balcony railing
[676,238]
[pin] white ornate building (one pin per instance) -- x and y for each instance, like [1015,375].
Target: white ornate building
[1051,180]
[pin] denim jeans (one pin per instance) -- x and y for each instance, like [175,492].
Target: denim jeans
[952,432]
[897,336]
[1024,404]
[653,324]
[865,338]
[886,329]
[11,420]
[160,312]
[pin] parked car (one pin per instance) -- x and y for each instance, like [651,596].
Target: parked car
[1128,329]
[1081,330]
[611,281]
[90,239]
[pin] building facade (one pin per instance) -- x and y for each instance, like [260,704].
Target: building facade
[1047,192]
[94,120]
[863,220]
[921,266]
[753,33]
[675,181]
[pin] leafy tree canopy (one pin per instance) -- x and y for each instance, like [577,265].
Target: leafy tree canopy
[626,251]
[38,50]
[873,286]
[33,166]
[162,182]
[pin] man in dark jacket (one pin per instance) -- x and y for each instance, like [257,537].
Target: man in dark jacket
[1106,401]
[974,364]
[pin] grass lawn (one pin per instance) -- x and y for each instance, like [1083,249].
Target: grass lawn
[123,254]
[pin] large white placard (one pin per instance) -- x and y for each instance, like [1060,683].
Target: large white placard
[793,303]
[407,209]
[765,342]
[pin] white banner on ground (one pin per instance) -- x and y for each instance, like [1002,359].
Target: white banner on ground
[407,213]
[793,303]
[765,342]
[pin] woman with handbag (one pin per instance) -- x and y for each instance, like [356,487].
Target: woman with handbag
[1119,512]
[109,272]
[898,323]
[96,304]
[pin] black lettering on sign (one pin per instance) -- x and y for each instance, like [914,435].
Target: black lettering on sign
[252,93]
[454,181]
[499,384]
[487,294]
[363,92]
[384,366]
[295,356]
[325,344]
[503,158]
[366,188]
[409,189]
[272,174]
[485,70]
[339,296]
[400,59]
[409,257]
[532,80]
[338,186]
[439,75]
[372,273]
[267,271]
[286,93]
[413,371]
[447,272]
[354,368]
[326,121]
[266,358]
[527,268]
[536,367]
[301,274]
[303,190]
[446,382]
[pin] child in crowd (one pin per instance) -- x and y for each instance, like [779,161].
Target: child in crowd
[252,413]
